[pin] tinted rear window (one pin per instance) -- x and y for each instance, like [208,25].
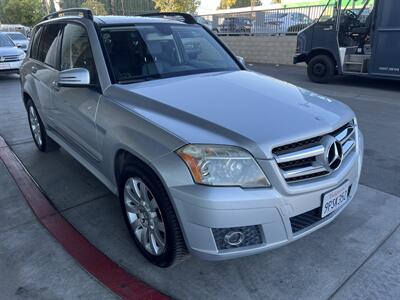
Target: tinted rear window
[35,43]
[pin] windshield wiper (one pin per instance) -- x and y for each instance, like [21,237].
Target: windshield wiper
[140,79]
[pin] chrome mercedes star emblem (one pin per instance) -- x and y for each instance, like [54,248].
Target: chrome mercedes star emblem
[333,155]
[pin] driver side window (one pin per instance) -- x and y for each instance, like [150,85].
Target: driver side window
[76,51]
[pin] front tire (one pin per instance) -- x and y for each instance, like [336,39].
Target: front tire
[321,69]
[42,141]
[150,217]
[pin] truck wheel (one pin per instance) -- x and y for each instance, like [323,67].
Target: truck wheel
[42,141]
[321,69]
[150,217]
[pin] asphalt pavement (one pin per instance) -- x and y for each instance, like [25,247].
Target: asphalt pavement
[355,257]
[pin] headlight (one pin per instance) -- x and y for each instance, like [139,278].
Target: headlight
[21,56]
[223,166]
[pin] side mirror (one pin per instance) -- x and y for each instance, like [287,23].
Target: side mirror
[241,60]
[77,77]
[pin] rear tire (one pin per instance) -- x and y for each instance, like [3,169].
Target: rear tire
[42,141]
[321,69]
[157,213]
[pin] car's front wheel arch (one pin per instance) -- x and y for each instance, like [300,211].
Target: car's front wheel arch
[129,166]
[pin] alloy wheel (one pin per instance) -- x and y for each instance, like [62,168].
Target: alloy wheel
[35,126]
[144,216]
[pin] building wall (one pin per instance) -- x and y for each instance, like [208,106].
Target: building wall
[263,49]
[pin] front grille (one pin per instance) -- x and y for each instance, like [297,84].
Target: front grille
[307,159]
[252,236]
[302,221]
[287,148]
[9,58]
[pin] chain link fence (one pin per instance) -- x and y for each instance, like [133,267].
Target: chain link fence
[284,21]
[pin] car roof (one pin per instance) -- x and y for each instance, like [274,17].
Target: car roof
[133,20]
[119,20]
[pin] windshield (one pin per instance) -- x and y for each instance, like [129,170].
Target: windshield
[17,36]
[5,41]
[152,51]
[329,12]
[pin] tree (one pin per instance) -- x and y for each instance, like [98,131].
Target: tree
[246,3]
[187,6]
[95,6]
[225,4]
[52,7]
[25,12]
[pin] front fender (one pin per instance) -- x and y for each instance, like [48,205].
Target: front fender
[121,129]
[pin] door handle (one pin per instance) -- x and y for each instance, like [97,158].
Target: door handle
[328,28]
[34,69]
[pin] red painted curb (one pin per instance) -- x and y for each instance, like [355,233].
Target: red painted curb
[88,256]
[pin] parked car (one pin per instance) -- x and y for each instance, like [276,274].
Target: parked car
[277,22]
[15,28]
[10,56]
[203,154]
[235,25]
[20,40]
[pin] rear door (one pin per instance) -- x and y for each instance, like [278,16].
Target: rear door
[75,107]
[385,60]
[43,68]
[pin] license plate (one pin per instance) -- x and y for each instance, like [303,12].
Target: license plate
[333,200]
[5,66]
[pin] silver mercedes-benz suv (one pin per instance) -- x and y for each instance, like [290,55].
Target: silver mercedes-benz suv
[204,155]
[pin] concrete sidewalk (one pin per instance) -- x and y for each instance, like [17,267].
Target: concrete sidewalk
[32,264]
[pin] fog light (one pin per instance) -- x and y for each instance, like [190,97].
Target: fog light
[234,238]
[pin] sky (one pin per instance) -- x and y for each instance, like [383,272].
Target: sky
[207,6]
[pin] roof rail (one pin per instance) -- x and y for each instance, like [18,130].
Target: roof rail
[187,18]
[84,12]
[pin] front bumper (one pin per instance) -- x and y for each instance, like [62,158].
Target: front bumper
[10,67]
[299,58]
[202,209]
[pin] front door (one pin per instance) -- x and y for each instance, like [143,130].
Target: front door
[75,107]
[385,59]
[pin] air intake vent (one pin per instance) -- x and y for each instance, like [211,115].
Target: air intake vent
[302,221]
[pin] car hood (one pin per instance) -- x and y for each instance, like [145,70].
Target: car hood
[6,51]
[241,108]
[21,42]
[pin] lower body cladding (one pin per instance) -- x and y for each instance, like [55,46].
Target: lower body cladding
[229,222]
[10,67]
